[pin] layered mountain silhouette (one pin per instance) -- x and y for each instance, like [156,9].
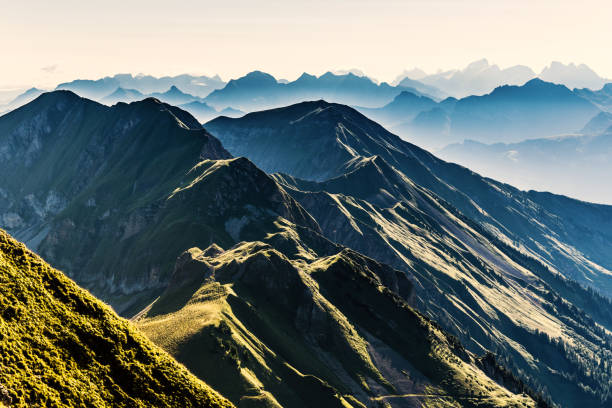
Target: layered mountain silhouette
[602,97]
[258,90]
[577,166]
[200,86]
[508,114]
[274,140]
[265,320]
[62,347]
[21,100]
[122,95]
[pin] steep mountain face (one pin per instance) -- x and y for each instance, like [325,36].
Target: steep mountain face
[199,86]
[81,181]
[315,330]
[485,292]
[258,90]
[62,347]
[291,140]
[473,278]
[576,166]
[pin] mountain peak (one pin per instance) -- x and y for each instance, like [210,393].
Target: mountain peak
[260,76]
[58,97]
[174,90]
[478,65]
[306,77]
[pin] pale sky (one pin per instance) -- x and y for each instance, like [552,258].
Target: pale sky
[47,42]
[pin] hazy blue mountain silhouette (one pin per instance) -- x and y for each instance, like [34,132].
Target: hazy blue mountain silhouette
[404,107]
[199,86]
[508,114]
[258,90]
[21,99]
[123,95]
[576,166]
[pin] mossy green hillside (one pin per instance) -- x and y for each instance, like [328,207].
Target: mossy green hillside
[60,347]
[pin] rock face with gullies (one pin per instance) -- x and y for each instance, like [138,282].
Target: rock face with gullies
[62,347]
[331,331]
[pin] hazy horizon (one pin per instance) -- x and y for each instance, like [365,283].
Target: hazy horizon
[68,39]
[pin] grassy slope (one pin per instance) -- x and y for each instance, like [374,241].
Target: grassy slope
[59,346]
[323,331]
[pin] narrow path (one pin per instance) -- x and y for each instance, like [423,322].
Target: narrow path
[384,397]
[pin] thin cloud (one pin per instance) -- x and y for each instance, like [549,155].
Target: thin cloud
[50,69]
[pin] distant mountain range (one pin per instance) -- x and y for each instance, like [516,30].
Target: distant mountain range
[477,78]
[21,99]
[577,166]
[573,76]
[258,90]
[480,77]
[199,86]
[508,114]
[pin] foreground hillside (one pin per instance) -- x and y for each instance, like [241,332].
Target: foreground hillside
[59,346]
[314,331]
